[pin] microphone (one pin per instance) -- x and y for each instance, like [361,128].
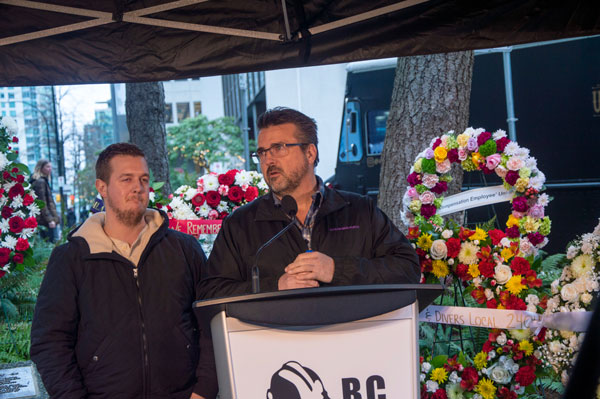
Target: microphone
[290,207]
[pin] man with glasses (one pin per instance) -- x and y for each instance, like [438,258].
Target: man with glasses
[340,238]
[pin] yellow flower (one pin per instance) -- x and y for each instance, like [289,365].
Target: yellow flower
[424,242]
[417,167]
[476,157]
[500,306]
[439,268]
[506,253]
[439,375]
[522,183]
[480,360]
[462,139]
[582,265]
[515,285]
[512,221]
[486,388]
[468,253]
[474,270]
[440,154]
[526,347]
[480,234]
[531,225]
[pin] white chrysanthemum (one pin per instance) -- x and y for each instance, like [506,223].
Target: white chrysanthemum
[262,185]
[190,193]
[20,214]
[182,189]
[498,134]
[572,251]
[511,148]
[426,366]
[9,242]
[3,201]
[587,248]
[582,265]
[16,202]
[34,210]
[204,210]
[431,386]
[468,253]
[537,181]
[10,124]
[3,161]
[152,196]
[222,207]
[531,163]
[4,226]
[27,233]
[243,177]
[9,185]
[176,203]
[211,182]
[543,200]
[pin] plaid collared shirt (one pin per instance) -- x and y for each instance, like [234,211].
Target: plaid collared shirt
[309,221]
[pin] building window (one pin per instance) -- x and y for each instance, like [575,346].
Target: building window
[168,113]
[183,111]
[3,113]
[1,95]
[11,104]
[11,95]
[13,114]
[197,108]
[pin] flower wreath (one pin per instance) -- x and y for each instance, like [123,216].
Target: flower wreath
[573,291]
[18,204]
[216,195]
[497,266]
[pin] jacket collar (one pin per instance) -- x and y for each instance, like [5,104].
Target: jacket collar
[267,211]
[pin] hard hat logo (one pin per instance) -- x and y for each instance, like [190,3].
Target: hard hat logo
[294,381]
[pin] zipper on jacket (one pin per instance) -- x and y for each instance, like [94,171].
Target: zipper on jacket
[145,375]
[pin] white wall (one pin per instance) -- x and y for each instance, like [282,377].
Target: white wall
[319,93]
[208,90]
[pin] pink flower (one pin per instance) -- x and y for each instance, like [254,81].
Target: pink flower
[213,214]
[444,142]
[427,197]
[514,163]
[492,161]
[517,214]
[501,171]
[536,211]
[462,154]
[223,189]
[245,187]
[430,180]
[412,193]
[443,167]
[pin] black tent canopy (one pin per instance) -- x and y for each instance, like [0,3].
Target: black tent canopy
[75,41]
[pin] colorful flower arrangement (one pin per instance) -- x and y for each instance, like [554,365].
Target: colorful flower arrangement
[505,368]
[18,204]
[573,292]
[216,195]
[499,267]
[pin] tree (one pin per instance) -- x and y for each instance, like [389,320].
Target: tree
[197,143]
[145,108]
[430,97]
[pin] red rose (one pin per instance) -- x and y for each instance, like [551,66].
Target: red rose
[520,265]
[251,193]
[4,256]
[213,198]
[16,224]
[20,178]
[18,258]
[28,200]
[525,376]
[492,304]
[22,244]
[2,273]
[496,236]
[15,190]
[516,303]
[226,179]
[15,169]
[198,199]
[486,268]
[30,223]
[6,212]
[440,394]
[15,139]
[6,175]
[453,245]
[487,347]
[469,378]
[223,215]
[505,393]
[235,194]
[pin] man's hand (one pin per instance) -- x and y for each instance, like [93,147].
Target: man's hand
[312,266]
[292,281]
[196,396]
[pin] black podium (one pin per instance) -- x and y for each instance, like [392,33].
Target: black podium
[327,343]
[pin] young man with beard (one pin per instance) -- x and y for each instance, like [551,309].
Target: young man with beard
[114,314]
[340,238]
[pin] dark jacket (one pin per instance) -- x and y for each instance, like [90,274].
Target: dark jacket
[48,213]
[99,332]
[365,245]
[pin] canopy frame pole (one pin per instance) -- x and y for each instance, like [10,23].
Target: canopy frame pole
[288,35]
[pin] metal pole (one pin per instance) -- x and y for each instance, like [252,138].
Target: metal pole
[60,159]
[508,86]
[243,91]
[113,106]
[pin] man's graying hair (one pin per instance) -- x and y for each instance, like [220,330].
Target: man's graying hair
[102,164]
[305,126]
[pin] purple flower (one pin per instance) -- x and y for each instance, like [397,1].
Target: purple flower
[429,153]
[535,238]
[413,179]
[472,144]
[483,137]
[536,211]
[428,211]
[512,232]
[440,187]
[520,204]
[511,177]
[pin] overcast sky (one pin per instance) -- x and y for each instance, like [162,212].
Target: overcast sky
[78,102]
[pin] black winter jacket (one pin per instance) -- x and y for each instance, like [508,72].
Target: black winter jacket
[365,245]
[98,332]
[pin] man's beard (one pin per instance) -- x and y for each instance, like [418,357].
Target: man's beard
[287,183]
[129,217]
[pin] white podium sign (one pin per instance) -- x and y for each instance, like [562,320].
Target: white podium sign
[473,199]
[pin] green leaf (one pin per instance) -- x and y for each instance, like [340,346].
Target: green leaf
[462,359]
[439,361]
[41,204]
[158,185]
[11,156]
[22,168]
[29,261]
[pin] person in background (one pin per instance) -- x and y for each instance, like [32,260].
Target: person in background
[71,218]
[48,216]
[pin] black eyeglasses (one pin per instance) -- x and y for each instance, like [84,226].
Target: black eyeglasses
[277,150]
